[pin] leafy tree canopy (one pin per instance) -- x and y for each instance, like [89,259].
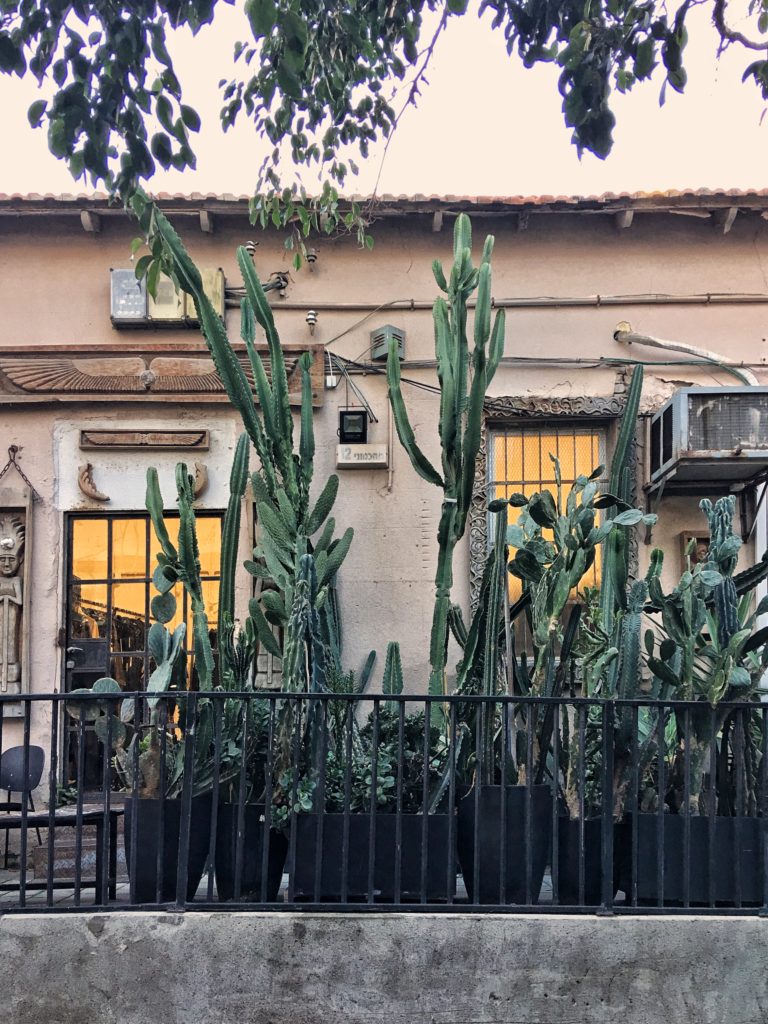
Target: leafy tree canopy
[319,74]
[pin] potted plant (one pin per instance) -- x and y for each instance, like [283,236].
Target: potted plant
[367,804]
[711,656]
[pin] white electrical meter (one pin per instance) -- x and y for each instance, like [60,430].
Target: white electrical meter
[213,286]
[168,305]
[127,297]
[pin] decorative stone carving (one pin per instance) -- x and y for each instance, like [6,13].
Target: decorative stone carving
[200,484]
[86,484]
[12,535]
[508,410]
[15,561]
[132,440]
[151,373]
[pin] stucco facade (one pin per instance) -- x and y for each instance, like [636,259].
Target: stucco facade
[54,291]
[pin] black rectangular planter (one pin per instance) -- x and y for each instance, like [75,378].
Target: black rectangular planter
[568,847]
[252,854]
[145,816]
[517,870]
[738,851]
[439,856]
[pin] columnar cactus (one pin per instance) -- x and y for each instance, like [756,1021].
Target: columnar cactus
[461,412]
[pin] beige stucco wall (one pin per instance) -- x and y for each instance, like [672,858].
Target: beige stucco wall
[54,289]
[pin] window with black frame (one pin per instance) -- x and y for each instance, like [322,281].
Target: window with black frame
[110,561]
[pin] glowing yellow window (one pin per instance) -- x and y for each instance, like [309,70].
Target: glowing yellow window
[519,460]
[109,589]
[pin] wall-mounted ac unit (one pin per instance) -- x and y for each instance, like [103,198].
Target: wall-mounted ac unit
[716,436]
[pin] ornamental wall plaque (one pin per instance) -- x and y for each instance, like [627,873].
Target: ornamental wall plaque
[155,372]
[156,440]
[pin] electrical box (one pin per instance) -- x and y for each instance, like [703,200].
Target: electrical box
[167,306]
[710,435]
[127,298]
[380,339]
[353,426]
[213,286]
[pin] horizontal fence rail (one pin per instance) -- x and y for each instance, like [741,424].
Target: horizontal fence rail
[275,800]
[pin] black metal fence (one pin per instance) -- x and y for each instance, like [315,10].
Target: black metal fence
[277,800]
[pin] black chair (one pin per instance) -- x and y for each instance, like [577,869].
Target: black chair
[12,780]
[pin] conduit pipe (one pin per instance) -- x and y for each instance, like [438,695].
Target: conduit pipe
[624,333]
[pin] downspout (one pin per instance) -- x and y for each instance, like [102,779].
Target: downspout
[625,333]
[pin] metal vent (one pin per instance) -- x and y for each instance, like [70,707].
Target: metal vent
[380,339]
[727,422]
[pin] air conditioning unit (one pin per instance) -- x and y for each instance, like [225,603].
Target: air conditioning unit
[716,436]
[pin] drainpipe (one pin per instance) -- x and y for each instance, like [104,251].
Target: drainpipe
[625,333]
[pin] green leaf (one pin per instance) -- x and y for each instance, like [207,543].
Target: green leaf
[190,117]
[262,16]
[35,113]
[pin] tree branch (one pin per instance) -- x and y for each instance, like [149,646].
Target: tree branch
[731,35]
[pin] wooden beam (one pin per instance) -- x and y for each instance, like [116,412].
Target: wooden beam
[90,221]
[437,221]
[206,222]
[624,219]
[724,218]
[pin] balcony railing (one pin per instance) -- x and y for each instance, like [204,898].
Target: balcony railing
[288,801]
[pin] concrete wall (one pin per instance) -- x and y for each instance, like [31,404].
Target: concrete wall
[54,289]
[234,968]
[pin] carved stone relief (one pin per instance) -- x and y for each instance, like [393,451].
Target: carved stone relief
[507,410]
[15,553]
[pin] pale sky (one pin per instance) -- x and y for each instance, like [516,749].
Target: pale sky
[508,120]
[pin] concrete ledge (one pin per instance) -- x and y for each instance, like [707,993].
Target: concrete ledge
[308,968]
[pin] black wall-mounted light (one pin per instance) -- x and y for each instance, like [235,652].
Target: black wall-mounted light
[353,426]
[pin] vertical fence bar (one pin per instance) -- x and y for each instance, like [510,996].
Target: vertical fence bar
[53,774]
[349,725]
[296,719]
[187,788]
[103,877]
[479,777]
[451,869]
[533,719]
[370,884]
[242,780]
[606,838]
[79,804]
[764,807]
[502,806]
[661,778]
[24,805]
[554,858]
[268,771]
[399,804]
[581,773]
[215,790]
[425,802]
[712,809]
[321,717]
[687,808]
[162,715]
[133,845]
[634,821]
[738,767]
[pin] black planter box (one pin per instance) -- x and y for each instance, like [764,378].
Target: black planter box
[489,845]
[737,841]
[252,854]
[146,816]
[440,881]
[568,844]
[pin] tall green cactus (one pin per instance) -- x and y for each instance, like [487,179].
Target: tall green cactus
[616,548]
[230,536]
[182,565]
[461,412]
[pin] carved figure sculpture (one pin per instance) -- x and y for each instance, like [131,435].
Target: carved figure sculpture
[11,597]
